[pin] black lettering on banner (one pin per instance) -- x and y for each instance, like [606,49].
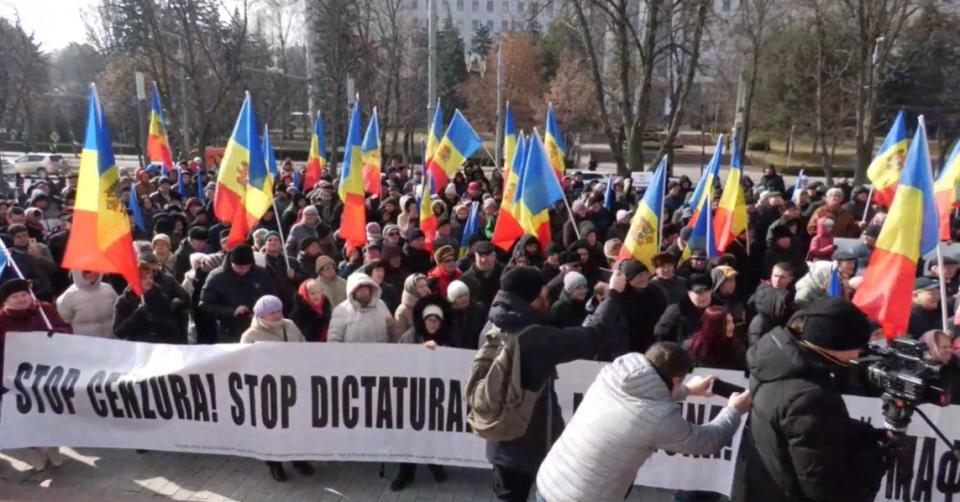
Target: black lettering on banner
[51,390]
[923,489]
[198,395]
[400,384]
[454,407]
[335,401]
[288,398]
[23,397]
[161,396]
[251,382]
[368,382]
[69,382]
[418,403]
[947,481]
[384,412]
[212,389]
[268,401]
[179,390]
[148,412]
[350,391]
[128,396]
[236,409]
[318,395]
[436,404]
[95,387]
[900,474]
[112,396]
[39,372]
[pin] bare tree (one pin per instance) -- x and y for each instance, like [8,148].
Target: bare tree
[754,19]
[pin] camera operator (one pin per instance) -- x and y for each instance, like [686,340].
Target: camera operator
[802,445]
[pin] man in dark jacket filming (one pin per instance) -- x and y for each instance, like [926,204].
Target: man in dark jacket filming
[802,444]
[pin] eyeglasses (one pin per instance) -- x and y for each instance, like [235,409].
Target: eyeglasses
[326,268]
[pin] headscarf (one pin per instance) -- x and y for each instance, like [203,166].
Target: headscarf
[304,292]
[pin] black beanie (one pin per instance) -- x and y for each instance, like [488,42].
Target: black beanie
[525,282]
[835,324]
[632,268]
[242,255]
[199,233]
[13,286]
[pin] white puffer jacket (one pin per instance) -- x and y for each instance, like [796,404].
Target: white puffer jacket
[626,414]
[352,323]
[88,307]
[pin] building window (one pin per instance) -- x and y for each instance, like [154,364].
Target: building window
[505,6]
[535,8]
[475,25]
[413,4]
[549,8]
[726,6]
[490,25]
[460,24]
[475,6]
[520,7]
[489,5]
[504,25]
[459,5]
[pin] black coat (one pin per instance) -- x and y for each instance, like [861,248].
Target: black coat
[417,261]
[465,325]
[633,330]
[311,324]
[542,348]
[567,312]
[678,322]
[773,307]
[151,320]
[922,320]
[483,285]
[801,444]
[224,291]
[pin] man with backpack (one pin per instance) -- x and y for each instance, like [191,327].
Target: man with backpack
[510,391]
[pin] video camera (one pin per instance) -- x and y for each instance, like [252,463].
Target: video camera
[906,378]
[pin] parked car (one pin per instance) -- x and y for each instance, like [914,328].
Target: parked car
[40,164]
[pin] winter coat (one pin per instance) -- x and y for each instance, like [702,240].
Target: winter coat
[567,312]
[773,308]
[542,348]
[335,289]
[354,323]
[821,245]
[815,284]
[29,319]
[312,324]
[149,319]
[416,260]
[224,291]
[626,414]
[678,322]
[417,332]
[673,289]
[440,280]
[483,285]
[298,233]
[844,223]
[465,324]
[801,444]
[260,332]
[923,320]
[88,307]
[408,300]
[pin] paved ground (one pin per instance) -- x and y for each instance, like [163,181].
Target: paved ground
[95,475]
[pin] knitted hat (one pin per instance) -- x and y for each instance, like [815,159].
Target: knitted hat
[242,255]
[623,214]
[525,282]
[324,261]
[444,253]
[161,237]
[451,190]
[433,310]
[835,324]
[198,233]
[781,231]
[311,210]
[699,283]
[456,289]
[272,233]
[374,233]
[611,248]
[573,281]
[632,268]
[307,241]
[266,305]
[13,286]
[414,234]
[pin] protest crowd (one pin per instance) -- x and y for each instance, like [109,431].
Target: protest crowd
[432,265]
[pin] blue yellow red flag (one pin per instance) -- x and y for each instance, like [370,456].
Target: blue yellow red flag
[538,192]
[608,198]
[316,156]
[371,153]
[353,220]
[945,190]
[100,239]
[702,236]
[509,138]
[884,169]
[458,144]
[554,145]
[705,184]
[471,227]
[507,230]
[910,231]
[730,220]
[133,203]
[428,220]
[643,236]
[158,146]
[434,135]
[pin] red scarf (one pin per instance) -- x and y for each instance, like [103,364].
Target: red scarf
[302,291]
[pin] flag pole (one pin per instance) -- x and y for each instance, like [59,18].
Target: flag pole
[943,288]
[16,269]
[283,241]
[866,208]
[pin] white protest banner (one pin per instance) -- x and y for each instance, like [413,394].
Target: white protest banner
[276,401]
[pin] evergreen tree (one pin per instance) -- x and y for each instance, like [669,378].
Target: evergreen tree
[482,41]
[451,66]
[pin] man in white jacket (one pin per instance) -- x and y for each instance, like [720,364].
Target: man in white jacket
[362,317]
[628,412]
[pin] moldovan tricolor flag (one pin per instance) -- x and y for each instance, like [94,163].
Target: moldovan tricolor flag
[945,190]
[317,156]
[643,237]
[507,229]
[509,138]
[428,220]
[884,169]
[702,236]
[909,232]
[553,143]
[704,190]
[433,136]
[100,238]
[244,185]
[353,220]
[730,219]
[537,192]
[370,151]
[158,147]
[457,145]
